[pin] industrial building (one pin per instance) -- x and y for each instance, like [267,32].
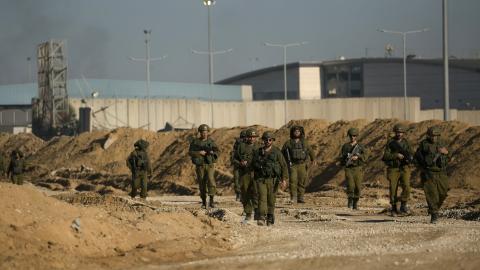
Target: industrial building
[368,77]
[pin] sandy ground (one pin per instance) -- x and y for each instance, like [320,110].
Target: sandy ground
[172,232]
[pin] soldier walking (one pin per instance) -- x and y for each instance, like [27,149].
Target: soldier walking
[139,164]
[432,158]
[204,154]
[16,167]
[398,157]
[296,151]
[270,171]
[353,157]
[243,159]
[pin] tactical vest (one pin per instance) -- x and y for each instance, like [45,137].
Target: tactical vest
[138,161]
[428,156]
[17,166]
[266,164]
[299,152]
[208,145]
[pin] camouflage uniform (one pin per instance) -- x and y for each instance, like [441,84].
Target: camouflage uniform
[243,160]
[139,164]
[398,170]
[433,170]
[16,167]
[204,165]
[269,167]
[354,169]
[296,151]
[3,166]
[236,175]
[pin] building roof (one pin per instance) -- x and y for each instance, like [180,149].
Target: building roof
[470,64]
[19,94]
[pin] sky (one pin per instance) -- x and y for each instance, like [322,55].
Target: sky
[102,34]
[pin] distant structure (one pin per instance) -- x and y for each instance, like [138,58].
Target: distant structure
[51,109]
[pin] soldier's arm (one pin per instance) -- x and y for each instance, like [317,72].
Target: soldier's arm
[310,152]
[284,166]
[343,154]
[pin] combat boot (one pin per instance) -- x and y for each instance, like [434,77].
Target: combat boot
[256,214]
[355,204]
[211,202]
[394,210]
[204,203]
[238,197]
[300,200]
[247,218]
[261,221]
[350,203]
[404,208]
[270,219]
[434,218]
[293,199]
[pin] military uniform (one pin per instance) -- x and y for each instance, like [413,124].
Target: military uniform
[236,168]
[16,167]
[139,164]
[353,168]
[433,171]
[243,160]
[204,165]
[269,168]
[398,170]
[296,151]
[3,166]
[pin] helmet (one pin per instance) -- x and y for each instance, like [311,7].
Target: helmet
[352,132]
[243,133]
[142,144]
[399,128]
[251,133]
[433,131]
[203,127]
[299,128]
[268,135]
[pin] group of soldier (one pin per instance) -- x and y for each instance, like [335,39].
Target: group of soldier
[13,167]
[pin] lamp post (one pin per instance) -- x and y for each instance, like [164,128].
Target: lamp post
[211,53]
[285,46]
[404,38]
[446,109]
[147,60]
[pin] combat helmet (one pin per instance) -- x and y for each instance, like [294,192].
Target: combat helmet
[141,144]
[268,135]
[433,131]
[400,128]
[243,133]
[297,127]
[352,132]
[203,127]
[251,132]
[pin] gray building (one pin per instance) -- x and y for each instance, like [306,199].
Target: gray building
[369,77]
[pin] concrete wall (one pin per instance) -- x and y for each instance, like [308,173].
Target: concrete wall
[309,83]
[111,113]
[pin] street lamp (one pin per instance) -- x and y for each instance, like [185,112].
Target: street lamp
[147,60]
[285,46]
[211,53]
[446,109]
[404,37]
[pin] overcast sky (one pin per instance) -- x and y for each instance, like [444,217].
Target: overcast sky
[101,34]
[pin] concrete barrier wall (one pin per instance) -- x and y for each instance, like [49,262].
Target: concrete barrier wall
[186,113]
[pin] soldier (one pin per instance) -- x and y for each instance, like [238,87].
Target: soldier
[353,156]
[16,167]
[236,177]
[295,151]
[270,170]
[3,166]
[140,166]
[398,157]
[243,160]
[203,152]
[432,158]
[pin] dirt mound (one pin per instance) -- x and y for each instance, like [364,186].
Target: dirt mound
[37,230]
[26,142]
[64,159]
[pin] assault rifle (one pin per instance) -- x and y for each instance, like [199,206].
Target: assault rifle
[355,152]
[408,157]
[289,159]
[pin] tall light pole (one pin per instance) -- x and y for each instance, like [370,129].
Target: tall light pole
[404,38]
[147,60]
[285,46]
[210,52]
[446,109]
[29,61]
